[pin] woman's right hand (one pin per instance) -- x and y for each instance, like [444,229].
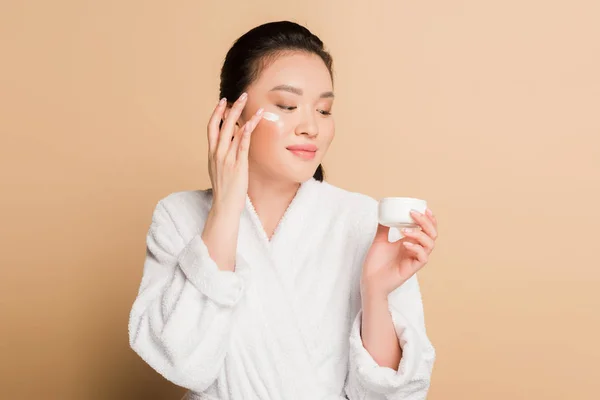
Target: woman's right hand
[228,155]
[228,169]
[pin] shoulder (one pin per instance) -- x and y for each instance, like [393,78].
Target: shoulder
[187,200]
[357,208]
[185,210]
[356,202]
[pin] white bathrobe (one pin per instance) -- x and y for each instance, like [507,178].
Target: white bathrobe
[286,324]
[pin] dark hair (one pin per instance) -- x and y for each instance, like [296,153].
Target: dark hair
[254,50]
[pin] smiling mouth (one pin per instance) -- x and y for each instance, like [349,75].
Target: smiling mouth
[304,154]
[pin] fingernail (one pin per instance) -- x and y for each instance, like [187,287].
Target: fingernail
[408,244]
[407,230]
[415,212]
[429,212]
[243,96]
[222,101]
[260,110]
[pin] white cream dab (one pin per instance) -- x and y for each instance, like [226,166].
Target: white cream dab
[275,118]
[269,116]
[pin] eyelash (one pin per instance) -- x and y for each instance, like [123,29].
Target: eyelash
[286,108]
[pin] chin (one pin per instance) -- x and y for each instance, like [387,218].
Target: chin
[299,175]
[305,176]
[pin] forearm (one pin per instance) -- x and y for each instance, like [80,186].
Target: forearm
[377,331]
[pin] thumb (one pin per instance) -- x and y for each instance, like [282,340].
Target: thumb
[382,232]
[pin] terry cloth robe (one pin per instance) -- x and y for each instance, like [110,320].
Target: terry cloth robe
[286,324]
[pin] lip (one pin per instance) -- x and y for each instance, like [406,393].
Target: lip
[303,147]
[304,151]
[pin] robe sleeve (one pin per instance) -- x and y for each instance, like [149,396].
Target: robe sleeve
[183,314]
[366,379]
[369,381]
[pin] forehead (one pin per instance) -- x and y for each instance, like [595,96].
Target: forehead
[302,70]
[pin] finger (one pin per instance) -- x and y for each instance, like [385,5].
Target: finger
[227,129]
[246,132]
[382,233]
[244,146]
[429,213]
[257,116]
[241,134]
[416,250]
[420,237]
[213,124]
[235,143]
[425,224]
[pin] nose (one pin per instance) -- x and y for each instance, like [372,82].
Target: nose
[308,125]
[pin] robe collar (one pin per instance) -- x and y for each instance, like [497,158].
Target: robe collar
[292,224]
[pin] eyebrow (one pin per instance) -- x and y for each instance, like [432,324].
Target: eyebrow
[299,92]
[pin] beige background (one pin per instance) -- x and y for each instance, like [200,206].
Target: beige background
[489,110]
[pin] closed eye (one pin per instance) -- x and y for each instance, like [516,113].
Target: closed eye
[292,108]
[286,108]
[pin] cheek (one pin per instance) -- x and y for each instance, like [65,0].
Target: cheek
[265,138]
[327,132]
[276,121]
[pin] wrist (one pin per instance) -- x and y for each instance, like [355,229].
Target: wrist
[220,235]
[373,293]
[224,214]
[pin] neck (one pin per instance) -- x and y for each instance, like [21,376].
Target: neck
[270,199]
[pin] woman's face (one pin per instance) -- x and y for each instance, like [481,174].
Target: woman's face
[296,91]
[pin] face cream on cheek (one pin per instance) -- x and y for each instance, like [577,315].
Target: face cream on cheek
[269,116]
[272,117]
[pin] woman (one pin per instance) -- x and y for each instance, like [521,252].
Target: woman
[275,284]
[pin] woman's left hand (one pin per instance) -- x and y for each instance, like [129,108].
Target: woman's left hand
[389,265]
